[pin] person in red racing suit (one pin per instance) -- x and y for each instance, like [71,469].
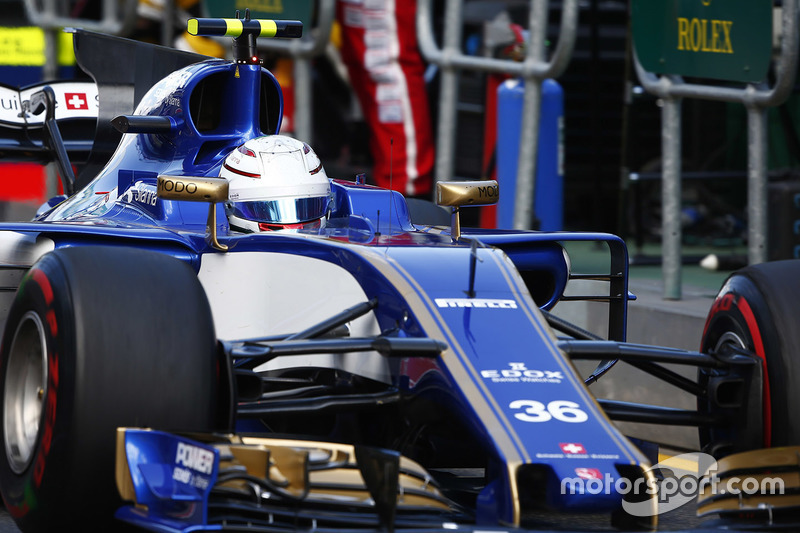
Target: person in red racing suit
[379,48]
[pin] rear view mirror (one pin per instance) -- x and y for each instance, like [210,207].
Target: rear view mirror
[457,194]
[197,189]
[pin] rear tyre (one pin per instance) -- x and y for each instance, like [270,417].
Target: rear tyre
[757,309]
[97,338]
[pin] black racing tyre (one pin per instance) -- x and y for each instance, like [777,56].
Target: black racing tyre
[96,338]
[757,309]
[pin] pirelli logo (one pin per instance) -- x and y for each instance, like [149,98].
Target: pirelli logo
[488,303]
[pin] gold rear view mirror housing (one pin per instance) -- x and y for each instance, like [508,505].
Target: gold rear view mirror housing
[192,189]
[458,194]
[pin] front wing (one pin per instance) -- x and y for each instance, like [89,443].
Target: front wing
[214,482]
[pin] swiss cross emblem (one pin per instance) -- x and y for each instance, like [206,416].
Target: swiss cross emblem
[572,448]
[76,100]
[588,473]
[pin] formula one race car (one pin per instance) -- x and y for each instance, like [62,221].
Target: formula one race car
[208,333]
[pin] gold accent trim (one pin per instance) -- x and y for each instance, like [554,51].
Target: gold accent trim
[196,189]
[650,481]
[293,466]
[465,193]
[192,189]
[211,229]
[513,470]
[790,480]
[759,459]
[725,491]
[677,461]
[461,193]
[335,474]
[756,502]
[122,471]
[455,224]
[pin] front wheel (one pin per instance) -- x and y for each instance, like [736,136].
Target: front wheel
[757,310]
[97,338]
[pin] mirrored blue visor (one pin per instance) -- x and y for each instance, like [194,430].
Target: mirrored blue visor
[283,210]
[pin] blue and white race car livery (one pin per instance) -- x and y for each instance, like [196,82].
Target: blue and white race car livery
[374,370]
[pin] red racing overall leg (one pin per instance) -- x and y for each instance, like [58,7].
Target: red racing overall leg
[379,47]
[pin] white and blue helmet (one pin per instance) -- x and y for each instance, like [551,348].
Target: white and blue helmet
[275,182]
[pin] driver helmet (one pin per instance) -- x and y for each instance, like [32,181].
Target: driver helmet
[275,182]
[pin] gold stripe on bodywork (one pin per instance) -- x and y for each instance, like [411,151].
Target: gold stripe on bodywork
[482,401]
[472,374]
[633,455]
[466,376]
[123,472]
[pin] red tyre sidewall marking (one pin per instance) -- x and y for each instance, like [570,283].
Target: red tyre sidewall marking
[724,303]
[758,344]
[44,284]
[40,278]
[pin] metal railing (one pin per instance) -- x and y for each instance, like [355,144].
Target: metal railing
[117,17]
[756,99]
[533,70]
[302,51]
